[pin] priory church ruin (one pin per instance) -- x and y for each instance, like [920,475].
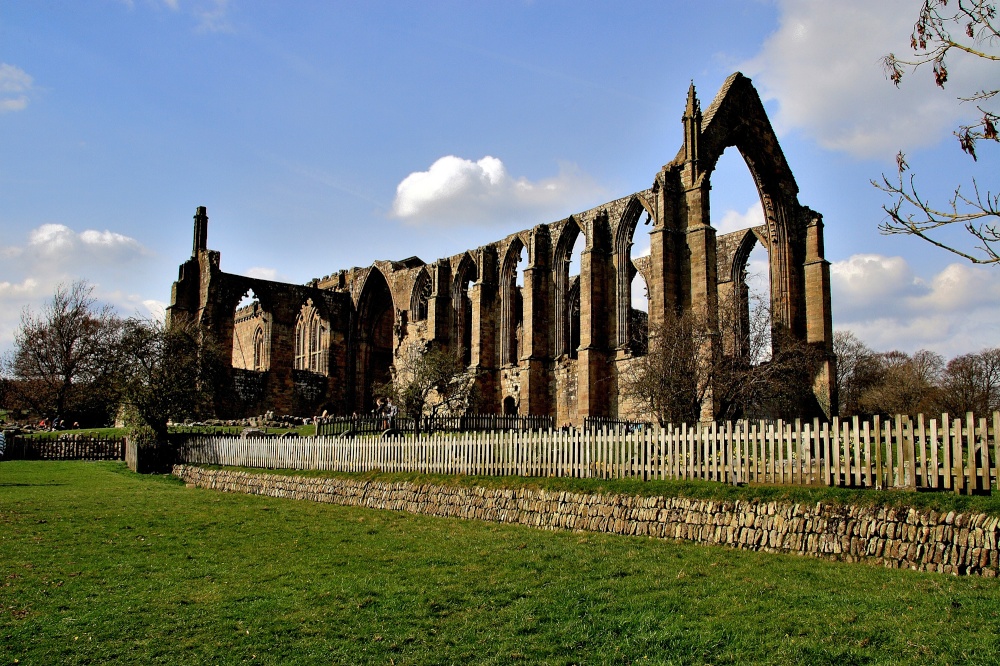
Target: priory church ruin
[557,344]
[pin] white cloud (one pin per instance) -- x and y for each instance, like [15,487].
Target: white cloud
[459,191]
[868,284]
[129,304]
[27,287]
[57,241]
[823,67]
[262,273]
[734,221]
[55,254]
[15,84]
[889,306]
[157,309]
[213,16]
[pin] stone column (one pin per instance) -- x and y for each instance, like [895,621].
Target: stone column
[819,317]
[537,323]
[704,286]
[280,384]
[536,355]
[483,299]
[439,305]
[596,312]
[665,250]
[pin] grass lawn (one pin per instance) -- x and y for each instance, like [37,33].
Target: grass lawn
[98,565]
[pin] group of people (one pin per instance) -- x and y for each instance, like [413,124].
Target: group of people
[387,412]
[56,424]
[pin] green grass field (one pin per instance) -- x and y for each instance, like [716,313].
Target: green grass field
[100,565]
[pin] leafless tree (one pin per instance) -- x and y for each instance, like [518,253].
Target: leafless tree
[427,381]
[858,369]
[767,373]
[667,382]
[971,383]
[64,361]
[944,27]
[903,384]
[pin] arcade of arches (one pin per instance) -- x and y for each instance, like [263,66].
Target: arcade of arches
[546,342]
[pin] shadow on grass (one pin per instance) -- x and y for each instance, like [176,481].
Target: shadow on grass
[28,485]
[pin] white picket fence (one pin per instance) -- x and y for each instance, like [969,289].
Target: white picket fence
[944,454]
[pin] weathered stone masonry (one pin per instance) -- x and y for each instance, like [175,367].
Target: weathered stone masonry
[557,344]
[921,540]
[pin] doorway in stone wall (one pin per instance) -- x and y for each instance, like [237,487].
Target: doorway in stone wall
[510,406]
[375,338]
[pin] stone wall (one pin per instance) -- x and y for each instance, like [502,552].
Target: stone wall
[922,540]
[250,386]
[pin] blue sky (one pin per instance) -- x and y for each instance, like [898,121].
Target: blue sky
[325,135]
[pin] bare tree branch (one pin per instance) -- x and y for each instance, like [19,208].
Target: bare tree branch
[943,26]
[913,215]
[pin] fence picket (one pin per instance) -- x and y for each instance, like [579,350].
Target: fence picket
[957,454]
[984,461]
[64,447]
[909,455]
[970,445]
[922,437]
[957,458]
[996,446]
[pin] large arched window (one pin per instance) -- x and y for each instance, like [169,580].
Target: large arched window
[465,276]
[632,247]
[567,274]
[251,334]
[376,318]
[512,303]
[311,340]
[259,350]
[573,316]
[422,290]
[746,312]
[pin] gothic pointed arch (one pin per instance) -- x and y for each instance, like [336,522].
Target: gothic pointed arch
[423,290]
[736,118]
[312,339]
[573,317]
[259,349]
[511,304]
[376,318]
[466,273]
[734,251]
[249,320]
[570,232]
[625,270]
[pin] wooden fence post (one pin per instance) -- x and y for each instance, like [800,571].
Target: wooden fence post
[970,444]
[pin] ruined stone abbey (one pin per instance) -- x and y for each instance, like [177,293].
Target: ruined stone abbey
[555,343]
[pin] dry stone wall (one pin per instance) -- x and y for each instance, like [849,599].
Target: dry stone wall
[921,540]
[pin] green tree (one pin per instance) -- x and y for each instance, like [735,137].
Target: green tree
[166,373]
